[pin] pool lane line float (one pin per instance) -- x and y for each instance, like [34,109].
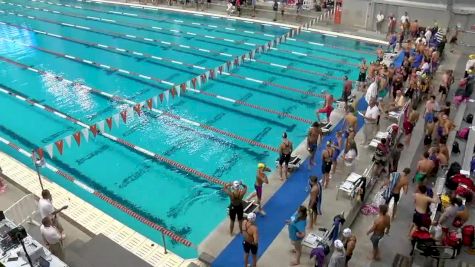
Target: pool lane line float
[181,22]
[152,78]
[112,202]
[134,37]
[121,51]
[95,132]
[165,113]
[155,29]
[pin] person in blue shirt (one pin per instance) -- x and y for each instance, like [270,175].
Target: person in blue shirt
[297,225]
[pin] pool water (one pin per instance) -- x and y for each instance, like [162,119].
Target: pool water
[177,200]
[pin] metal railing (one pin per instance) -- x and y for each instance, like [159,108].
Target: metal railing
[24,210]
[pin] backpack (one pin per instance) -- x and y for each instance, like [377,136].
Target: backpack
[454,168]
[463,133]
[465,192]
[451,239]
[455,147]
[469,118]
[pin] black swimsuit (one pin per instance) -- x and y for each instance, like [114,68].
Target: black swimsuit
[249,247]
[236,210]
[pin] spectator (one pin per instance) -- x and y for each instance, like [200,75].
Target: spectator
[370,117]
[297,225]
[379,21]
[52,237]
[338,258]
[391,25]
[46,209]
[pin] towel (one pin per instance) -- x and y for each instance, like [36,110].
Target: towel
[319,199]
[319,254]
[392,183]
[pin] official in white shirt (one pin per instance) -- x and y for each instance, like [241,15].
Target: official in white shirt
[370,119]
[372,91]
[379,21]
[52,237]
[405,23]
[428,35]
[46,209]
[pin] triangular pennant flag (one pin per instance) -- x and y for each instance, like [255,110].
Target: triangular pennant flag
[68,140]
[161,97]
[137,109]
[109,123]
[177,90]
[77,137]
[149,103]
[194,82]
[59,145]
[198,82]
[101,126]
[123,114]
[130,112]
[40,152]
[116,118]
[220,68]
[183,87]
[155,101]
[167,95]
[93,129]
[85,133]
[49,149]
[172,92]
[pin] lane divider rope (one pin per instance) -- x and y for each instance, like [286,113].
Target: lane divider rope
[118,50]
[181,22]
[158,111]
[173,32]
[139,149]
[112,202]
[146,77]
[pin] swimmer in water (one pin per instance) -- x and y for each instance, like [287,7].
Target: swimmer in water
[236,192]
[285,150]
[261,178]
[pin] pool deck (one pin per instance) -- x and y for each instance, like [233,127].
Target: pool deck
[84,220]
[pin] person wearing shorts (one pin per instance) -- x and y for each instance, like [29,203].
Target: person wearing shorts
[327,107]
[236,192]
[380,227]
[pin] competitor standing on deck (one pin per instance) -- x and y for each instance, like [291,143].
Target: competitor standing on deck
[362,76]
[236,192]
[261,178]
[314,137]
[285,150]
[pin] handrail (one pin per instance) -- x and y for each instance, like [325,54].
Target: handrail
[23,210]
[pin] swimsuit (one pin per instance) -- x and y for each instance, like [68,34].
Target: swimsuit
[421,219]
[258,191]
[285,158]
[419,177]
[249,247]
[236,210]
[395,196]
[375,238]
[327,165]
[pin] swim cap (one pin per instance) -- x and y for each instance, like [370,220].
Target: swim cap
[261,165]
[329,143]
[472,56]
[347,232]
[251,217]
[236,184]
[338,244]
[284,135]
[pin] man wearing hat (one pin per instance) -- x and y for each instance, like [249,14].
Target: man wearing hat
[236,192]
[261,178]
[349,244]
[338,258]
[250,236]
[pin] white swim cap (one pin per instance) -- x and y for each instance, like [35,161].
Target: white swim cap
[338,244]
[236,184]
[347,232]
[251,217]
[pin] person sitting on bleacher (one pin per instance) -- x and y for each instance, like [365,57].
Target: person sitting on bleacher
[396,105]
